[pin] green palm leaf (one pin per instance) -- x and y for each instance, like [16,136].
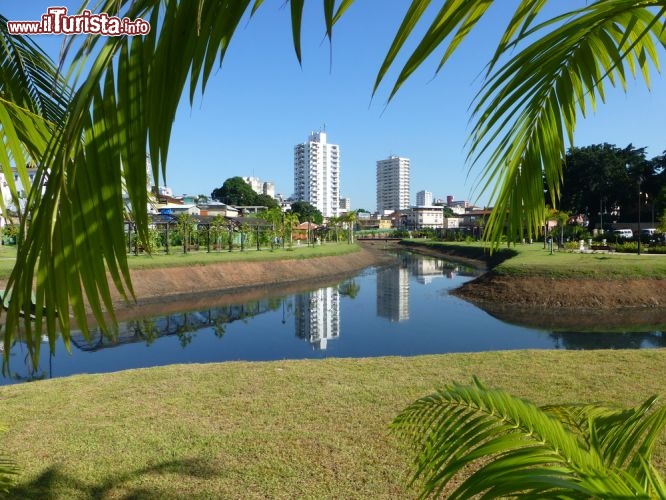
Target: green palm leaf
[528,106]
[499,445]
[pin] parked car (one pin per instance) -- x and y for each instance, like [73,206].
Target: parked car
[623,233]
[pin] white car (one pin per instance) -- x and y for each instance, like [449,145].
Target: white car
[623,233]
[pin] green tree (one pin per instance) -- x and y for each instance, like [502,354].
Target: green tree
[488,443]
[307,212]
[185,227]
[217,228]
[349,219]
[545,72]
[235,191]
[263,200]
[275,217]
[596,182]
[290,223]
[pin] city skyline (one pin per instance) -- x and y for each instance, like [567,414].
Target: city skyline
[262,102]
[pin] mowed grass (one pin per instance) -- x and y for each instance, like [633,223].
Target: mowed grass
[286,429]
[534,260]
[177,258]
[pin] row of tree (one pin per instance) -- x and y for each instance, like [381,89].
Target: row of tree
[606,183]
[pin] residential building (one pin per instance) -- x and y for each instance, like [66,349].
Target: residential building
[317,174]
[261,187]
[213,209]
[424,199]
[393,184]
[345,205]
[425,217]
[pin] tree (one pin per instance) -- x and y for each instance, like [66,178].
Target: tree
[290,223]
[217,226]
[275,217]
[184,224]
[507,447]
[596,180]
[235,191]
[543,73]
[349,219]
[263,200]
[307,212]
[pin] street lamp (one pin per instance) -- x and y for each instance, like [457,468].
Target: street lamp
[640,181]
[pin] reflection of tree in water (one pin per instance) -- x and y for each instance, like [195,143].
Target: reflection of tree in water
[183,325]
[609,340]
[32,372]
[349,289]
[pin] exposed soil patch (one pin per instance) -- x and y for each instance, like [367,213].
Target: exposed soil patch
[565,293]
[160,291]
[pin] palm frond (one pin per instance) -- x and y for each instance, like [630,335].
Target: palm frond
[33,101]
[528,106]
[74,244]
[499,445]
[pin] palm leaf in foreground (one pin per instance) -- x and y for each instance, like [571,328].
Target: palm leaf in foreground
[527,108]
[499,445]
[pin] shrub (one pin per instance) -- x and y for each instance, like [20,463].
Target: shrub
[661,249]
[626,247]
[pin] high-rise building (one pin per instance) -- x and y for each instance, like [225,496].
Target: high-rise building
[345,205]
[393,184]
[317,174]
[424,199]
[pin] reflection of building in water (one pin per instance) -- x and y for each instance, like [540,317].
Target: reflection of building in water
[393,293]
[426,270]
[318,316]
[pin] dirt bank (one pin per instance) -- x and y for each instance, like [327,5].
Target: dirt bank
[189,288]
[565,293]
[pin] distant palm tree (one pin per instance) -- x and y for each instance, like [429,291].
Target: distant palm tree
[290,223]
[487,443]
[543,74]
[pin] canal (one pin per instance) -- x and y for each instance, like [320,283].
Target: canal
[401,310]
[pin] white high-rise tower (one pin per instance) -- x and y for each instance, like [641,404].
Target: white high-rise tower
[317,174]
[393,184]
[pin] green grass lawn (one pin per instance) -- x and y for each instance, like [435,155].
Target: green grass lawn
[285,429]
[534,260]
[177,258]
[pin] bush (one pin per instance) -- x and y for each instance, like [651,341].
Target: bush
[626,247]
[661,249]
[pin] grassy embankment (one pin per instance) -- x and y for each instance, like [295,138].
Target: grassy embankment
[176,257]
[534,260]
[285,429]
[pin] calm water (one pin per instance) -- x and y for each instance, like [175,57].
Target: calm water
[403,310]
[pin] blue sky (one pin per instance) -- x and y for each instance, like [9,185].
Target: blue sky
[261,103]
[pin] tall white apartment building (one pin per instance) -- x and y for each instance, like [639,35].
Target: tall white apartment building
[317,174]
[393,187]
[424,199]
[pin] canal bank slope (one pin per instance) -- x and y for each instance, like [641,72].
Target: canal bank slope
[566,291]
[171,289]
